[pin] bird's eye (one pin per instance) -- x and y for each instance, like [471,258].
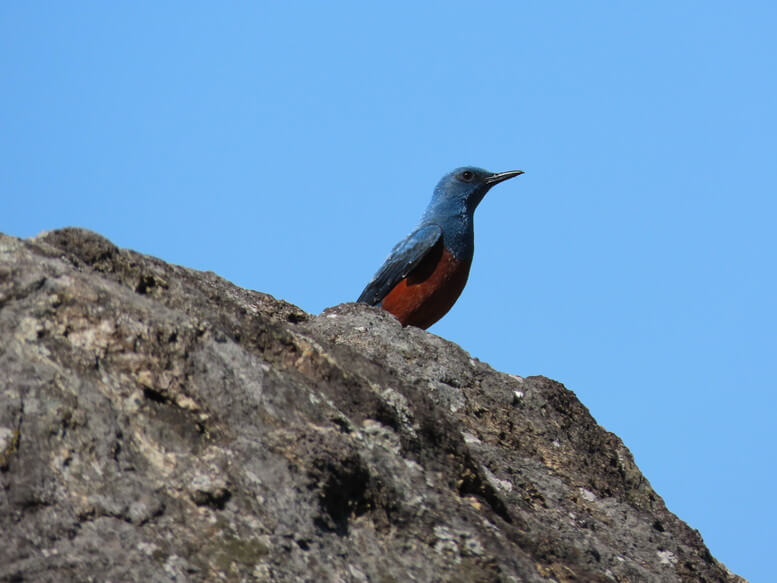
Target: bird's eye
[467,176]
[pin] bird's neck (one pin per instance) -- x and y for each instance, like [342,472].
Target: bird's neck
[456,221]
[446,209]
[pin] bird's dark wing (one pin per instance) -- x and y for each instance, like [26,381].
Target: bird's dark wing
[403,258]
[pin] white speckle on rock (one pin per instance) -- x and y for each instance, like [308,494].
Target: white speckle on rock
[667,557]
[357,574]
[360,329]
[415,466]
[587,495]
[451,541]
[147,548]
[52,552]
[470,438]
[139,512]
[262,572]
[331,316]
[175,566]
[6,437]
[399,403]
[379,434]
[504,485]
[472,546]
[132,403]
[186,402]
[446,543]
[28,332]
[556,443]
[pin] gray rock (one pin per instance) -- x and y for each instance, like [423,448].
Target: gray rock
[161,424]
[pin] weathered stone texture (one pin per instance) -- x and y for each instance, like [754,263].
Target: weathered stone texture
[160,424]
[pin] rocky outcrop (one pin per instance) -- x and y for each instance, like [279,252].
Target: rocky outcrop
[161,424]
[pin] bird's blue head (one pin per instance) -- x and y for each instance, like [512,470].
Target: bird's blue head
[462,190]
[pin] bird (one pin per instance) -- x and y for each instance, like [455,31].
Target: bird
[426,271]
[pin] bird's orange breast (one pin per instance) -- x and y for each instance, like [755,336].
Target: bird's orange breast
[430,290]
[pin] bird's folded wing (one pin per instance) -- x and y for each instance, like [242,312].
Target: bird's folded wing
[403,258]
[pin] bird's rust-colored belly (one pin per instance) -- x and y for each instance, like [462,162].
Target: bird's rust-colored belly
[430,290]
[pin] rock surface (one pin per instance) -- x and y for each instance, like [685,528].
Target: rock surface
[161,424]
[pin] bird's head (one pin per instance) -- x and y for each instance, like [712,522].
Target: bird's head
[465,187]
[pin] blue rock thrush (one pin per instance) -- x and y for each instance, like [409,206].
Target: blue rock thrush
[426,271]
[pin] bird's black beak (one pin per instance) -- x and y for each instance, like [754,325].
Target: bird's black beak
[502,176]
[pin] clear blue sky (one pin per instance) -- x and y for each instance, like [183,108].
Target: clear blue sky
[288,146]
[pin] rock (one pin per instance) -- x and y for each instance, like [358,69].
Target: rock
[161,424]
